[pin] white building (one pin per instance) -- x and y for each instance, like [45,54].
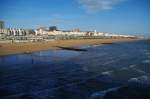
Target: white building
[99,34]
[65,33]
[15,32]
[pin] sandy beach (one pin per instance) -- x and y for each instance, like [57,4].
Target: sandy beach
[14,48]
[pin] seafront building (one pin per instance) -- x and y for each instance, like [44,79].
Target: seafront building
[43,33]
[16,32]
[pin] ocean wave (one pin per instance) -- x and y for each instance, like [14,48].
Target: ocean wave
[107,73]
[146,61]
[132,66]
[144,79]
[147,53]
[101,94]
[133,79]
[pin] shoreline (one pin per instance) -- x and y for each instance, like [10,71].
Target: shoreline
[29,47]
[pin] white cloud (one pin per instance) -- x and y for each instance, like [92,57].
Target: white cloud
[98,5]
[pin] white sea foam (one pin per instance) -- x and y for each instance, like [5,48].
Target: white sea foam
[144,77]
[141,79]
[132,66]
[133,80]
[101,94]
[140,71]
[146,61]
[147,53]
[107,73]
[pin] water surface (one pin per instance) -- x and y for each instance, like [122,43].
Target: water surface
[64,74]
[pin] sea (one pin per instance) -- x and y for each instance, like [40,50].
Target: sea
[109,71]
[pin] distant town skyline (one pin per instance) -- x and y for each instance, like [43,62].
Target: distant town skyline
[115,16]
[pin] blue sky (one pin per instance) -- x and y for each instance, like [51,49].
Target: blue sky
[116,16]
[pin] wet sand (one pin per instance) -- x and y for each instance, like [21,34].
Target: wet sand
[14,48]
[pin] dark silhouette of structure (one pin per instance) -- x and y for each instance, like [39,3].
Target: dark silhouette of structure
[2,25]
[53,28]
